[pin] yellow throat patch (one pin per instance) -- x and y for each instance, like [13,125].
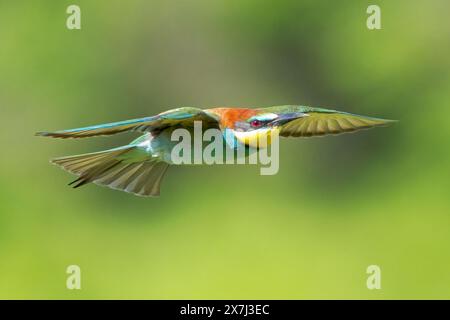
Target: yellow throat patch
[259,138]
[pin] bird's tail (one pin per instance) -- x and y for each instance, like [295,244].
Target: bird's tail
[122,168]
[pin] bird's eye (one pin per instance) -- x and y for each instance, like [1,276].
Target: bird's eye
[256,123]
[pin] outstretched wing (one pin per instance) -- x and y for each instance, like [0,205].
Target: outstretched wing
[319,121]
[183,117]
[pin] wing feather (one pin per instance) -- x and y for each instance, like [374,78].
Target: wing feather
[324,123]
[183,117]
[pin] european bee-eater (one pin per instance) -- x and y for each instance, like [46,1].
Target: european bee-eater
[140,166]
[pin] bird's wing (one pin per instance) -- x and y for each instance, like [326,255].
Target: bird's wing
[182,117]
[319,122]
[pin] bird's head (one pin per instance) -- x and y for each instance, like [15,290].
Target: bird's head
[253,127]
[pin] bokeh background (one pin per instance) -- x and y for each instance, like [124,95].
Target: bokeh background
[337,205]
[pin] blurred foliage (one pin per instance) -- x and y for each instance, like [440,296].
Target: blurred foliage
[337,205]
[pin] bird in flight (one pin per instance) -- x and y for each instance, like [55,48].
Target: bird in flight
[139,167]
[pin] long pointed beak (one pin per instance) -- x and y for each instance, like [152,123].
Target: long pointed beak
[284,118]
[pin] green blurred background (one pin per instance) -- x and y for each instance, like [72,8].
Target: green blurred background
[337,205]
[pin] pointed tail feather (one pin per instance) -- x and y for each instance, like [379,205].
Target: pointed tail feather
[109,168]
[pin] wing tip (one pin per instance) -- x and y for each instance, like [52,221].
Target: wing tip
[42,134]
[383,122]
[61,135]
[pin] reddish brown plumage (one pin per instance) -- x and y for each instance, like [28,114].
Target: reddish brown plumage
[229,116]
